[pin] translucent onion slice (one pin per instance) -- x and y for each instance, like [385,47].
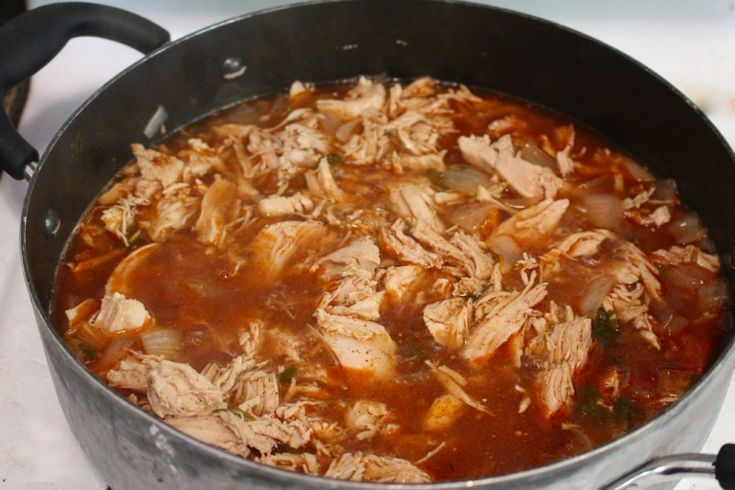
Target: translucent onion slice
[595,294]
[507,249]
[115,351]
[166,342]
[603,211]
[637,171]
[688,229]
[713,295]
[470,216]
[462,178]
[665,190]
[533,154]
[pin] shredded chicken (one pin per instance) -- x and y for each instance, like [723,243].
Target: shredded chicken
[118,313]
[536,224]
[359,345]
[498,316]
[220,206]
[353,268]
[132,372]
[398,280]
[448,321]
[213,430]
[454,383]
[364,98]
[276,244]
[176,390]
[415,204]
[689,254]
[529,180]
[321,183]
[366,418]
[372,468]
[157,166]
[564,349]
[398,244]
[276,206]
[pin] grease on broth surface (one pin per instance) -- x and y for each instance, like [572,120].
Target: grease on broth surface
[393,283]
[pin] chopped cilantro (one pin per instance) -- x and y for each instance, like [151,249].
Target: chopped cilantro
[89,352]
[333,159]
[239,412]
[605,327]
[415,352]
[434,176]
[623,411]
[588,406]
[287,374]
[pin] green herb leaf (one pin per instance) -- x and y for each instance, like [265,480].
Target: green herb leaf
[287,374]
[285,448]
[434,176]
[623,411]
[242,413]
[333,159]
[89,352]
[588,406]
[605,327]
[415,352]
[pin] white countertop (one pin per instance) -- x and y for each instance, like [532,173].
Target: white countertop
[692,44]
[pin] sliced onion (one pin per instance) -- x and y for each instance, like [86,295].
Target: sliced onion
[665,190]
[677,323]
[662,312]
[688,229]
[713,295]
[637,171]
[507,249]
[344,132]
[330,124]
[166,342]
[463,178]
[686,277]
[594,295]
[470,216]
[116,350]
[533,154]
[603,210]
[583,442]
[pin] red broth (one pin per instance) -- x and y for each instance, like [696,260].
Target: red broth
[204,281]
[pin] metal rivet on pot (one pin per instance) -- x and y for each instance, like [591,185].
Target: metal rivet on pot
[51,223]
[232,68]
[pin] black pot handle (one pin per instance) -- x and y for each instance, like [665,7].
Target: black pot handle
[725,467]
[32,39]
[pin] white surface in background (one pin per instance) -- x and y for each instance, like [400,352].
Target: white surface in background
[691,43]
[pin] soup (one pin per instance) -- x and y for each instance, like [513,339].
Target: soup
[392,283]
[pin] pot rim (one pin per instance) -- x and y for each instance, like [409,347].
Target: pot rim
[724,361]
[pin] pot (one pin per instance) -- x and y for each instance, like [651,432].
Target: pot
[180,82]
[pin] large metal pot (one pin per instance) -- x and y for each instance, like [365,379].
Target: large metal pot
[177,83]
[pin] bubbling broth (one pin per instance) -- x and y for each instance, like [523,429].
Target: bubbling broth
[392,283]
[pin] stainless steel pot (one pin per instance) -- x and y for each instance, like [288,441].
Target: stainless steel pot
[179,82]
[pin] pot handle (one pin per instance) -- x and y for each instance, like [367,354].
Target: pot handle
[673,468]
[31,40]
[725,467]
